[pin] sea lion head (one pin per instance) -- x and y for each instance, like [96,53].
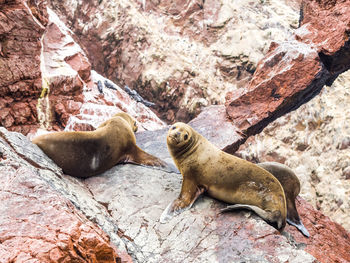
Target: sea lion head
[129,119]
[179,136]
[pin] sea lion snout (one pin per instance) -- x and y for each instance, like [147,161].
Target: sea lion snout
[175,137]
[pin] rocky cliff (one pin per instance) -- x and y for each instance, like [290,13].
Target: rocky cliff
[51,217]
[183,56]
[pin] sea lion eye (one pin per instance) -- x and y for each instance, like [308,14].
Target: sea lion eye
[186,137]
[173,128]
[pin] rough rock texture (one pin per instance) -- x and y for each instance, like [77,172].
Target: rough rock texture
[141,193]
[20,76]
[71,96]
[37,223]
[46,79]
[201,234]
[181,55]
[314,141]
[293,71]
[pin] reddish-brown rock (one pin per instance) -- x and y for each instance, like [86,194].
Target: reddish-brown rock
[292,72]
[38,225]
[329,241]
[22,24]
[182,55]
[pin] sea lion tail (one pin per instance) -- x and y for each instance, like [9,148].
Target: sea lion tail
[299,225]
[267,216]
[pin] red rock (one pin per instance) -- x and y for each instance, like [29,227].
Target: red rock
[39,225]
[80,64]
[329,241]
[293,72]
[214,125]
[21,25]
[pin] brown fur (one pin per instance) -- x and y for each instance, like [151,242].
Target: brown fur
[205,168]
[88,153]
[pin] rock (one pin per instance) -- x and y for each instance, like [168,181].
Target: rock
[294,71]
[323,125]
[346,173]
[180,55]
[213,124]
[98,107]
[52,86]
[127,192]
[202,233]
[74,100]
[37,223]
[321,226]
[20,76]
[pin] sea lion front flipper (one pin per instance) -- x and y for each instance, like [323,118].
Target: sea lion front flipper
[270,217]
[189,194]
[139,156]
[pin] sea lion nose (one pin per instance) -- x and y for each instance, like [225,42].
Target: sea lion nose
[178,134]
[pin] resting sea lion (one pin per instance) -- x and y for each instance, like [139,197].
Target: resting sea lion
[205,168]
[291,187]
[88,153]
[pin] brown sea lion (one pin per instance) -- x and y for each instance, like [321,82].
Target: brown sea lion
[205,168]
[291,187]
[88,153]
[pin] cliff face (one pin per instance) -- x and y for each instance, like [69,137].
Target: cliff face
[21,30]
[47,81]
[182,55]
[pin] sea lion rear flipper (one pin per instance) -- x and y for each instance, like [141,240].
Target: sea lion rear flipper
[189,194]
[300,227]
[270,217]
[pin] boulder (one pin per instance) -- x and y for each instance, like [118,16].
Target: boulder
[294,71]
[47,82]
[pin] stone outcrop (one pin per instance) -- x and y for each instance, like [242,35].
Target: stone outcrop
[37,223]
[78,98]
[181,55]
[313,141]
[47,81]
[42,204]
[293,71]
[22,24]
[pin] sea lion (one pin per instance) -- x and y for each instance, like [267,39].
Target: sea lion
[88,153]
[205,168]
[291,187]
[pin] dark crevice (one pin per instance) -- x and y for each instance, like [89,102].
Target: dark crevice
[287,106]
[336,63]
